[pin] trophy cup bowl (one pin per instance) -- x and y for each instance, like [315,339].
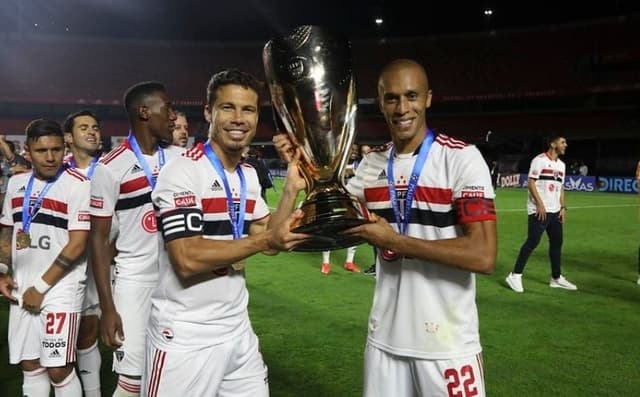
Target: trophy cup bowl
[313,93]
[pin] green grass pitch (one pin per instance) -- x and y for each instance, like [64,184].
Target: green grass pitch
[545,342]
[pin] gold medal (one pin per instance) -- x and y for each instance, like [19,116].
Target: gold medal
[238,266]
[23,240]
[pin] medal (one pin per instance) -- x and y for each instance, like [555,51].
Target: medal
[23,240]
[389,255]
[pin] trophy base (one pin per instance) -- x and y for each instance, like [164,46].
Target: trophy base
[326,216]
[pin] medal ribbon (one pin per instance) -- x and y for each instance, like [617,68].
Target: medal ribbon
[402,218]
[29,210]
[145,166]
[92,166]
[237,223]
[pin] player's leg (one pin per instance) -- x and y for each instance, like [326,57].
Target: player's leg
[89,358]
[535,228]
[246,374]
[348,263]
[58,351]
[128,359]
[554,231]
[23,336]
[445,378]
[184,372]
[386,374]
[326,262]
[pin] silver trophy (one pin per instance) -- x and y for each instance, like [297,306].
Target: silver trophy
[314,95]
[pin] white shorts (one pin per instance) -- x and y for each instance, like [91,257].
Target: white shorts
[48,336]
[91,303]
[386,375]
[133,303]
[231,369]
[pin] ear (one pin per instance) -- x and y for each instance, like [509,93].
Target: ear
[429,96]
[68,138]
[207,113]
[143,112]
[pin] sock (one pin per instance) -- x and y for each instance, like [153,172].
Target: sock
[326,255]
[127,387]
[69,387]
[351,253]
[89,361]
[36,383]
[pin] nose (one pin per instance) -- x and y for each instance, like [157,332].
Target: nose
[403,106]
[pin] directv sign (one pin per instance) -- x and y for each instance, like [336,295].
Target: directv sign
[580,183]
[617,184]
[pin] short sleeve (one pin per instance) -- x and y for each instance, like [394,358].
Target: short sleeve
[473,192]
[78,206]
[104,192]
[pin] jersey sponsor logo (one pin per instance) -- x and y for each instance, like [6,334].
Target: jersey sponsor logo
[84,217]
[53,345]
[216,186]
[185,201]
[136,168]
[42,242]
[552,187]
[149,222]
[22,189]
[472,194]
[382,176]
[96,202]
[55,354]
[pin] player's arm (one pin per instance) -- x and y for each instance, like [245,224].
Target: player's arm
[563,206]
[64,263]
[7,284]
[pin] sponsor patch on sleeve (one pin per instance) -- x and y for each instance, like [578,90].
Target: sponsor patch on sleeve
[185,201]
[96,202]
[84,217]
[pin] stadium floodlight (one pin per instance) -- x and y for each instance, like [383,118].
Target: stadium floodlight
[488,12]
[379,21]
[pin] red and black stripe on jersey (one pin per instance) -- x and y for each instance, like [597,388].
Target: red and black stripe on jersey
[187,222]
[141,183]
[548,174]
[43,218]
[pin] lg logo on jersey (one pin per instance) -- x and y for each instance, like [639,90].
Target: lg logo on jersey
[149,222]
[44,243]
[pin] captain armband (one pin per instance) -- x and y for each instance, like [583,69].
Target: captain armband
[63,262]
[180,223]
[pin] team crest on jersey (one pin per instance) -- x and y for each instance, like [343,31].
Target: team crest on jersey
[119,355]
[96,202]
[216,187]
[149,222]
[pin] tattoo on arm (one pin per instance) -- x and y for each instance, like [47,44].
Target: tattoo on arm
[64,262]
[5,245]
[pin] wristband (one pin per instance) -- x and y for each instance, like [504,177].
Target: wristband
[41,286]
[4,269]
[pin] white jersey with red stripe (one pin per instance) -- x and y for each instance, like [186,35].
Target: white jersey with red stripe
[120,187]
[549,175]
[192,201]
[422,309]
[64,208]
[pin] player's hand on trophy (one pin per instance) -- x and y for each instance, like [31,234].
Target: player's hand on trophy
[32,300]
[111,329]
[294,180]
[377,232]
[284,147]
[282,238]
[8,284]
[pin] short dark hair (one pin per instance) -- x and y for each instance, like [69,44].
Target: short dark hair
[67,126]
[43,127]
[553,138]
[136,93]
[234,77]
